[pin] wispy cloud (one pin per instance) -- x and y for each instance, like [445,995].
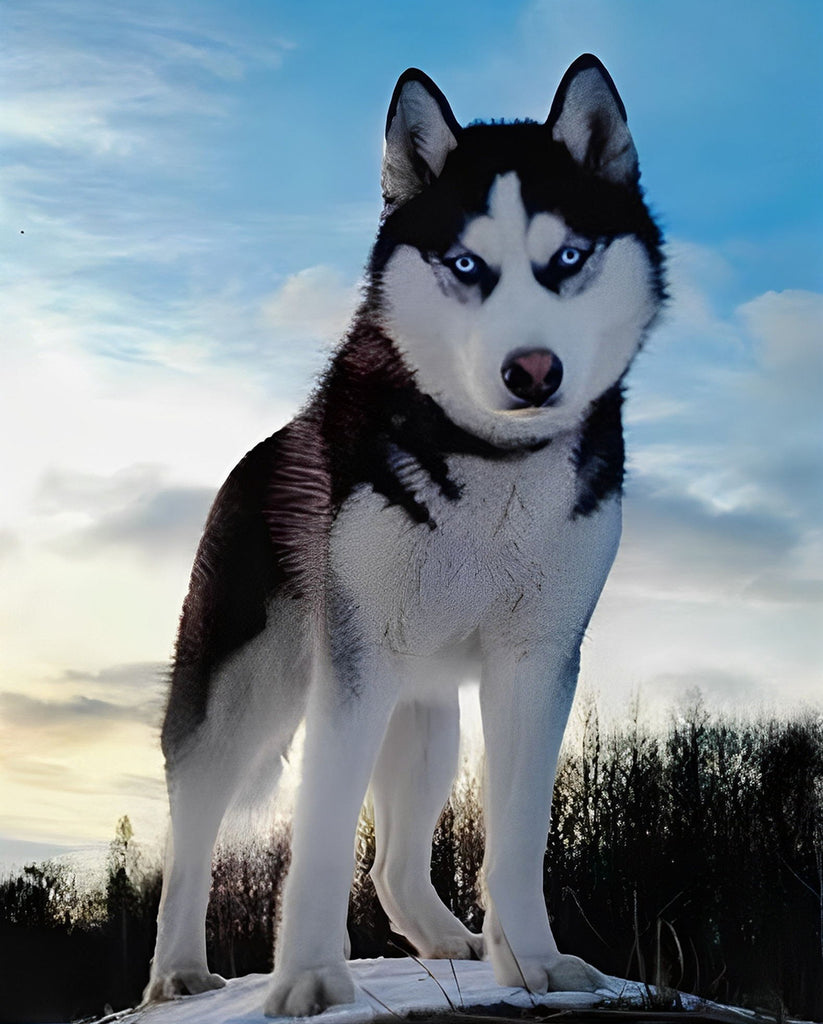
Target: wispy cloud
[726,481]
[118,682]
[159,523]
[135,507]
[100,78]
[744,433]
[121,693]
[21,711]
[82,751]
[675,544]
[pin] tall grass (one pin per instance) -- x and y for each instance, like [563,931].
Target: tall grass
[694,858]
[689,857]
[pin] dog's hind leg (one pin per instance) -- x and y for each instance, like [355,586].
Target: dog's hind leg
[410,786]
[200,790]
[250,715]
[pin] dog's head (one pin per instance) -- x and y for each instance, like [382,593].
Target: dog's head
[517,268]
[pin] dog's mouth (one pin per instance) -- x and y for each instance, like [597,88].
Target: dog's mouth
[526,409]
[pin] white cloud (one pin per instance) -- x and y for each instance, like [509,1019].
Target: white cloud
[158,523]
[675,545]
[787,328]
[314,304]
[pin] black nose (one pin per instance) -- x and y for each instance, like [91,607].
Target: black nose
[532,375]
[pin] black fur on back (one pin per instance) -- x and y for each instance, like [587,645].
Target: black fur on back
[264,534]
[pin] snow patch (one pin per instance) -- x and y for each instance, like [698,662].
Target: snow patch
[396,988]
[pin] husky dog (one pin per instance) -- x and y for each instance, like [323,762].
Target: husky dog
[445,508]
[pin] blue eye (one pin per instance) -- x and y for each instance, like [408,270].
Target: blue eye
[569,256]
[466,268]
[566,262]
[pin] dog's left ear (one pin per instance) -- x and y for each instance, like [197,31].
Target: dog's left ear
[421,131]
[589,118]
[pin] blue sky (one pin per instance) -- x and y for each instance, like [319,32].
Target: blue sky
[189,192]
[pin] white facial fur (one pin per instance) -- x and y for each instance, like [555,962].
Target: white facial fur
[458,347]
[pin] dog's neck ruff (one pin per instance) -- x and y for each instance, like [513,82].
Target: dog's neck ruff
[368,408]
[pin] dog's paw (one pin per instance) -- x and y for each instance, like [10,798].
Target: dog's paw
[548,972]
[559,974]
[304,993]
[167,985]
[431,928]
[571,974]
[459,945]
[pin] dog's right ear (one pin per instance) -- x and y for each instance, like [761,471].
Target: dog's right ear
[589,118]
[421,131]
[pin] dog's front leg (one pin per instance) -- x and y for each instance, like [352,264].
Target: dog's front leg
[526,694]
[345,724]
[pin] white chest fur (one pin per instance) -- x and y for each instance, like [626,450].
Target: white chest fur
[509,542]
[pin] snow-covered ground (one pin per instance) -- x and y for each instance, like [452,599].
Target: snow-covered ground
[397,988]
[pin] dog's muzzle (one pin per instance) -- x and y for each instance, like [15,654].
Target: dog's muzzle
[532,375]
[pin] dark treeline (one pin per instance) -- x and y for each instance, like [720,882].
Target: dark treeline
[694,859]
[69,952]
[687,858]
